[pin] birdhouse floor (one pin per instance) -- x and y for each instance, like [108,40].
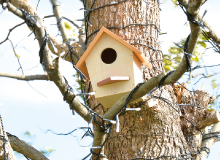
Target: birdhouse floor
[110,100]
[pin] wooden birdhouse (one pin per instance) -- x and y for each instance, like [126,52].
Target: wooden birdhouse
[113,66]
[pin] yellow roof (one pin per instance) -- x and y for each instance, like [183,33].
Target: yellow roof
[81,63]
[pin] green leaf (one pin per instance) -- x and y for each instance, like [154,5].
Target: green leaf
[202,37]
[67,26]
[167,68]
[202,43]
[214,85]
[16,55]
[175,50]
[27,133]
[195,59]
[197,56]
[209,108]
[178,58]
[47,150]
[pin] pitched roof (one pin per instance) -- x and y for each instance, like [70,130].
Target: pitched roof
[81,63]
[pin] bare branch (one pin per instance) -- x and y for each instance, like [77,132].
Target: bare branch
[66,19]
[209,139]
[10,30]
[61,26]
[201,74]
[69,97]
[24,77]
[25,149]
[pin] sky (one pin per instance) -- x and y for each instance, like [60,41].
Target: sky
[36,110]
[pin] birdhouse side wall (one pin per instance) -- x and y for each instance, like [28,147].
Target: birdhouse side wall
[137,67]
[122,66]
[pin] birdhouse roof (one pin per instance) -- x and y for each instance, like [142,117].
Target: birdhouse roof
[81,63]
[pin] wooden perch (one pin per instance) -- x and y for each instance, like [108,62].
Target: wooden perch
[112,79]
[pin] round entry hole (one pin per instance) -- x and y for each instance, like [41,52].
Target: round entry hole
[109,55]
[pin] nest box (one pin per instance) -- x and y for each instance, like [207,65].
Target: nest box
[113,66]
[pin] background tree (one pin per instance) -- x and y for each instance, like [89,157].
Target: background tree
[153,134]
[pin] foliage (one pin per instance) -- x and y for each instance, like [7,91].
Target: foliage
[68,27]
[213,82]
[27,133]
[47,151]
[175,53]
[214,105]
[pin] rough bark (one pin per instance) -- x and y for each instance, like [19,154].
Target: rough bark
[155,134]
[6,152]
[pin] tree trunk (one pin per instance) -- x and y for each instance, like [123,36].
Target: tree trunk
[6,151]
[155,134]
[159,130]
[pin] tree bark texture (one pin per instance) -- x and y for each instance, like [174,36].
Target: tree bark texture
[158,130]
[6,152]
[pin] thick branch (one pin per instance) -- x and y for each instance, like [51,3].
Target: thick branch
[141,91]
[194,7]
[24,77]
[25,149]
[211,33]
[211,118]
[14,10]
[211,139]
[61,84]
[195,32]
